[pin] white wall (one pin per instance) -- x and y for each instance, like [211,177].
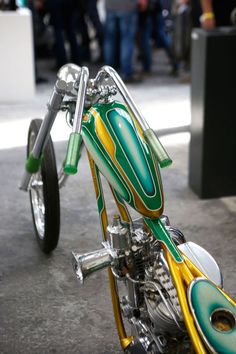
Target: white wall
[17,81]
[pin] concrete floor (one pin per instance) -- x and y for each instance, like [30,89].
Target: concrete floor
[42,307]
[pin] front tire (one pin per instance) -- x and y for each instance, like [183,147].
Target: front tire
[44,194]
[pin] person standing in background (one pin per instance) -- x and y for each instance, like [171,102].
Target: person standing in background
[161,37]
[97,25]
[152,27]
[87,10]
[145,32]
[119,41]
[216,13]
[62,18]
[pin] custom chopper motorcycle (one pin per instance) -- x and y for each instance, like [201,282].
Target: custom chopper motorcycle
[167,293]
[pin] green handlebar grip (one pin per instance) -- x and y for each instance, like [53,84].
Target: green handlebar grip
[157,148]
[73,154]
[33,164]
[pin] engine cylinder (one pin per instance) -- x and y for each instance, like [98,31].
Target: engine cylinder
[118,234]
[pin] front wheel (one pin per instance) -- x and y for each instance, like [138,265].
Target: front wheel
[44,194]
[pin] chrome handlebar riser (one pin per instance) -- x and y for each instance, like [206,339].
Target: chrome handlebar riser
[108,72]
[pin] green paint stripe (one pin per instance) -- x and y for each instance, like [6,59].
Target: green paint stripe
[101,158]
[105,163]
[205,298]
[162,235]
[100,203]
[129,142]
[155,201]
[100,200]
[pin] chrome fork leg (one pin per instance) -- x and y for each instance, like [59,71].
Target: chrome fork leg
[53,106]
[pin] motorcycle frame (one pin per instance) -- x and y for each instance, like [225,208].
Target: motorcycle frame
[180,272]
[183,271]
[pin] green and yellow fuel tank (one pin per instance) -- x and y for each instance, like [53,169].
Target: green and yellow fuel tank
[115,141]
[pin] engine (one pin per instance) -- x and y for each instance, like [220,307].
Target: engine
[147,294]
[151,304]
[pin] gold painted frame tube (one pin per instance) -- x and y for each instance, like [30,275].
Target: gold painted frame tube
[181,274]
[124,339]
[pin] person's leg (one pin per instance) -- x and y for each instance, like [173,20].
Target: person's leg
[145,41]
[85,40]
[95,19]
[69,12]
[54,7]
[127,24]
[74,47]
[110,39]
[165,41]
[82,28]
[162,37]
[60,51]
[70,32]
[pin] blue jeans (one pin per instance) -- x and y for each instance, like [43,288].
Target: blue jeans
[162,39]
[120,30]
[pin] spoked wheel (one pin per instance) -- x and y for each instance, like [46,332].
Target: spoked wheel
[44,194]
